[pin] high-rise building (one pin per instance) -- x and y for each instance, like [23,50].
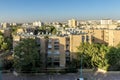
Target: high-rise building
[72,23]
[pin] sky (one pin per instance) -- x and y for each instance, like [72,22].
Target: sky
[58,10]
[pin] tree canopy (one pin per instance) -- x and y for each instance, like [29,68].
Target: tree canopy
[26,56]
[3,44]
[49,29]
[99,56]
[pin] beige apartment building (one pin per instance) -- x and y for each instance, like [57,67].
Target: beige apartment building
[58,51]
[6,32]
[68,45]
[104,36]
[61,50]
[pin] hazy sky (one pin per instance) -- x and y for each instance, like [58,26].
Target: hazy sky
[57,10]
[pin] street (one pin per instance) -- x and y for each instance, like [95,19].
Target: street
[87,76]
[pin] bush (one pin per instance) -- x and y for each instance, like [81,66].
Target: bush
[71,70]
[7,64]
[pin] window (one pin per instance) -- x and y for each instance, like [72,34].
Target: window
[83,38]
[67,53]
[56,47]
[56,64]
[56,59]
[67,59]
[56,52]
[67,46]
[49,40]
[67,39]
[49,52]
[49,46]
[87,38]
[93,38]
[56,42]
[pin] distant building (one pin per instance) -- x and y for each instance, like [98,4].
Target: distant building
[37,23]
[5,25]
[108,24]
[0,26]
[106,21]
[20,30]
[6,32]
[13,24]
[72,23]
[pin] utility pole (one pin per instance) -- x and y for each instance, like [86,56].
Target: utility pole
[81,76]
[0,69]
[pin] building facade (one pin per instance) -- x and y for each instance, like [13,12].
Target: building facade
[58,51]
[72,23]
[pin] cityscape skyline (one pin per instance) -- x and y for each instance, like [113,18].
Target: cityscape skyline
[54,10]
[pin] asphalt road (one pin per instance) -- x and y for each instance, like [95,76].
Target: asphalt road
[88,75]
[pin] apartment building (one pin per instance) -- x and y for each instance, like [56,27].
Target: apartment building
[72,23]
[58,51]
[5,25]
[61,50]
[104,36]
[37,23]
[99,24]
[6,32]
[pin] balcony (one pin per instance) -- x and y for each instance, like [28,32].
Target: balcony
[56,47]
[56,59]
[49,46]
[49,40]
[49,52]
[57,41]
[56,52]
[67,53]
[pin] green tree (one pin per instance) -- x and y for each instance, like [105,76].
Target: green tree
[101,59]
[4,52]
[1,33]
[54,31]
[94,55]
[46,28]
[26,56]
[85,51]
[3,44]
[9,41]
[14,28]
[114,58]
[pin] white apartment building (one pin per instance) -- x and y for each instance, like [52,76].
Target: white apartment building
[37,23]
[5,25]
[105,21]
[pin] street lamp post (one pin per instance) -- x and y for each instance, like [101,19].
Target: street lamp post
[0,69]
[81,76]
[81,67]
